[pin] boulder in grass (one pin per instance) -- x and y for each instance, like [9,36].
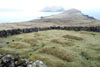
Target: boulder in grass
[7,61]
[38,63]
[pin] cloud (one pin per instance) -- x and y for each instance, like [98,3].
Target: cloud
[36,5]
[53,9]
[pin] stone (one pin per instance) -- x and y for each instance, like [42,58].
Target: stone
[38,63]
[11,61]
[7,61]
[7,58]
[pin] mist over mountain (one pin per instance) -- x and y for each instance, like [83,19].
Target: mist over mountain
[53,9]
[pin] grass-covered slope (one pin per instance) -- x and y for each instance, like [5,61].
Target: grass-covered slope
[56,48]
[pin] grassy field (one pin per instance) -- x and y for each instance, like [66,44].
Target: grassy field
[56,48]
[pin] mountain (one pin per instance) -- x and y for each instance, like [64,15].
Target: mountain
[72,17]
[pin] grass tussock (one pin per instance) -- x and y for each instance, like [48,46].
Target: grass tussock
[18,45]
[97,57]
[62,42]
[92,44]
[90,33]
[73,37]
[30,41]
[7,51]
[60,53]
[48,60]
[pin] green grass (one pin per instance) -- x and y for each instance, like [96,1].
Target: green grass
[56,48]
[60,53]
[18,45]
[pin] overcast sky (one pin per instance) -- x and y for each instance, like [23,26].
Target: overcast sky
[36,5]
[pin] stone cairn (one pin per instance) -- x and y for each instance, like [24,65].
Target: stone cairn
[11,61]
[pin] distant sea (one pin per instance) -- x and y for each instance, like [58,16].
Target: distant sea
[20,16]
[11,17]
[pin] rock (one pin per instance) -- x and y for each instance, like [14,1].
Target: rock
[10,61]
[7,58]
[29,64]
[38,63]
[7,61]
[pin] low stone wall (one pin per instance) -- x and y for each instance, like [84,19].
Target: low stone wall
[5,33]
